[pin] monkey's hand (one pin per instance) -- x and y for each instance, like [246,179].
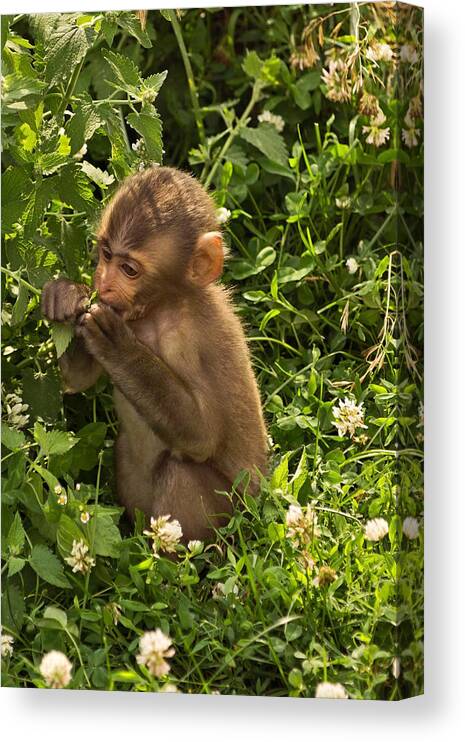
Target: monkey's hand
[63,300]
[106,335]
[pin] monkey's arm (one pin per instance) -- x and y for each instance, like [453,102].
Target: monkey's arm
[64,301]
[174,411]
[79,369]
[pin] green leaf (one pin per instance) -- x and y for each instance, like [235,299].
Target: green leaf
[53,441]
[68,531]
[130,23]
[148,124]
[66,43]
[20,306]
[153,83]
[42,392]
[12,607]
[74,189]
[84,123]
[16,536]
[47,565]
[107,540]
[56,614]
[15,565]
[268,140]
[12,438]
[124,72]
[17,188]
[62,334]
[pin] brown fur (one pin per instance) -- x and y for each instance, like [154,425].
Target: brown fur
[186,396]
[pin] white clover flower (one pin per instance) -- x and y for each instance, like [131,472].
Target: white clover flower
[395,667]
[154,647]
[330,690]
[85,516]
[348,417]
[165,534]
[195,546]
[169,688]
[376,135]
[222,215]
[58,489]
[376,529]
[379,52]
[80,560]
[352,265]
[62,499]
[272,118]
[335,79]
[7,645]
[55,669]
[302,526]
[304,57]
[410,528]
[409,137]
[408,53]
[15,410]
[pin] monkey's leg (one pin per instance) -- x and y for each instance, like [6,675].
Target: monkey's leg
[191,493]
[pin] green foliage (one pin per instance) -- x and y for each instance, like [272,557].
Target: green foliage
[325,234]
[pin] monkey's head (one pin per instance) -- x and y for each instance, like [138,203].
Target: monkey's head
[157,236]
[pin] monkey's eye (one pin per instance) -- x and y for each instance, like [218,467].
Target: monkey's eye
[106,254]
[129,270]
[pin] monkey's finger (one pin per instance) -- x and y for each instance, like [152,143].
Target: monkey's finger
[106,318]
[47,300]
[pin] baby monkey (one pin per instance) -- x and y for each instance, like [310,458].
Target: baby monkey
[165,332]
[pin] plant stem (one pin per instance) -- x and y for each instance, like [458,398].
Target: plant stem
[253,99]
[17,277]
[70,89]
[189,74]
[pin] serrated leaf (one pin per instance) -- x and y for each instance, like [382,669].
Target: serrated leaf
[153,83]
[100,177]
[17,188]
[124,72]
[15,565]
[12,607]
[12,438]
[47,565]
[84,123]
[148,124]
[66,42]
[68,531]
[130,23]
[252,65]
[107,540]
[53,442]
[268,140]
[74,189]
[62,334]
[16,536]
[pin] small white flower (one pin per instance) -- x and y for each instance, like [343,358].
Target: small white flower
[55,669]
[136,146]
[78,487]
[218,591]
[330,690]
[409,137]
[222,215]
[7,645]
[15,410]
[80,560]
[81,152]
[58,489]
[195,547]
[336,80]
[352,265]
[169,688]
[154,647]
[166,534]
[376,529]
[408,53]
[272,118]
[85,517]
[348,417]
[410,528]
[376,136]
[378,52]
[302,526]
[61,131]
[395,667]
[62,499]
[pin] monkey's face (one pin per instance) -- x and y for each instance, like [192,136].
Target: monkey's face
[117,276]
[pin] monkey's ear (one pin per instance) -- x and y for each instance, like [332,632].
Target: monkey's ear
[208,259]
